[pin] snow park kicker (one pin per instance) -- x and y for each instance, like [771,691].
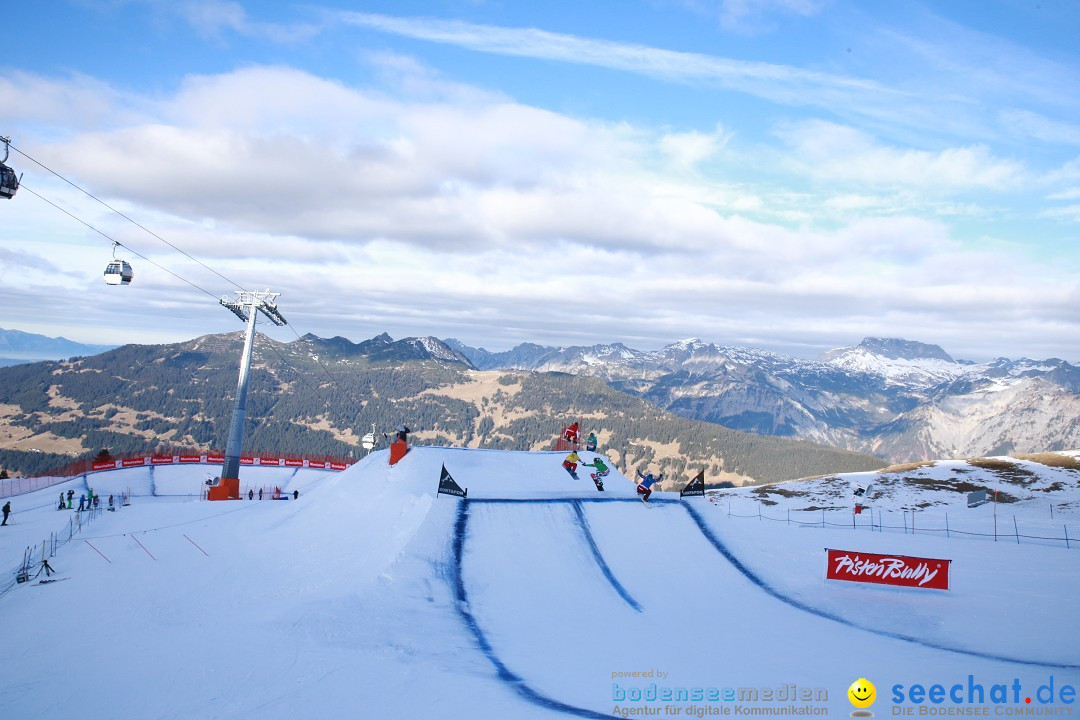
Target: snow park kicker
[534,597]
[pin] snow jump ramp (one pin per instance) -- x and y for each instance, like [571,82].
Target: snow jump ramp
[568,591]
[534,597]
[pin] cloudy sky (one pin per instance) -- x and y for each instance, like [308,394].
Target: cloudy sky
[785,174]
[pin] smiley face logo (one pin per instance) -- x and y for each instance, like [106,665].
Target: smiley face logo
[862,693]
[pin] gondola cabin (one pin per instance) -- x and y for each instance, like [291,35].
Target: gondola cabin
[9,181]
[118,272]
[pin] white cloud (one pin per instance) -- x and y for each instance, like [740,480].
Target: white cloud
[216,18]
[841,153]
[755,15]
[1070,194]
[781,83]
[689,149]
[1034,125]
[469,214]
[1070,213]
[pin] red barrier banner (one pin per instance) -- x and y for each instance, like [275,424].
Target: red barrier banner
[104,465]
[270,461]
[132,462]
[901,570]
[244,460]
[338,466]
[290,462]
[192,459]
[162,460]
[215,459]
[317,464]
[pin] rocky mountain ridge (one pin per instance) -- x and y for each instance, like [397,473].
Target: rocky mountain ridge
[897,399]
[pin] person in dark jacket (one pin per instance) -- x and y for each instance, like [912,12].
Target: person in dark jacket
[7,511]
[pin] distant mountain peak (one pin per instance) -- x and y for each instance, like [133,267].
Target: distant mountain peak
[899,349]
[889,349]
[25,346]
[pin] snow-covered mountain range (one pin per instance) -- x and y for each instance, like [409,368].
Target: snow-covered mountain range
[898,399]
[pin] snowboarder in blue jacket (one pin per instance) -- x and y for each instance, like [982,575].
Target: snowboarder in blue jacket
[644,487]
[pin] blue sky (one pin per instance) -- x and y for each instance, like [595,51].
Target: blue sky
[787,174]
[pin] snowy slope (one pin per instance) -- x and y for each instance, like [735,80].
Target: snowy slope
[371,596]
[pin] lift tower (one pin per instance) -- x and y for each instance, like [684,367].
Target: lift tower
[247,306]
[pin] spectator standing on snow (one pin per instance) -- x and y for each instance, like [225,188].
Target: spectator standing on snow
[82,502]
[7,511]
[71,494]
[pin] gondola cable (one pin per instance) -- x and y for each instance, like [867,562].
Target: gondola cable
[116,243]
[133,222]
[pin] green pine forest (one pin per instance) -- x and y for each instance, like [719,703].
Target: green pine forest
[150,398]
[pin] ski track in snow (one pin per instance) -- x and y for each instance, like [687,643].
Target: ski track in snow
[519,601]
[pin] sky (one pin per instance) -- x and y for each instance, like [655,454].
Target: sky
[793,175]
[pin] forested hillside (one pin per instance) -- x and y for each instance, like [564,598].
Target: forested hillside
[316,396]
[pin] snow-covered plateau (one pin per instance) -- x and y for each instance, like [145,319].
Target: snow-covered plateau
[372,596]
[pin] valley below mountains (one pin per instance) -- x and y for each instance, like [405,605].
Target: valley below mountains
[320,396]
[744,416]
[896,399]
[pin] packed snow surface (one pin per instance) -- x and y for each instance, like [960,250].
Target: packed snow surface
[536,597]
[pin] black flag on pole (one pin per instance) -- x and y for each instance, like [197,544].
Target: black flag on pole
[448,486]
[695,486]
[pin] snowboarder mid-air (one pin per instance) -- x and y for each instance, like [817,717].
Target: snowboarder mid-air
[644,487]
[601,471]
[572,433]
[570,463]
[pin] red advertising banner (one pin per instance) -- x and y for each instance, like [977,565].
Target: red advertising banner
[212,458]
[900,570]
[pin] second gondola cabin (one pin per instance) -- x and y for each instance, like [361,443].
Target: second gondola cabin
[118,272]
